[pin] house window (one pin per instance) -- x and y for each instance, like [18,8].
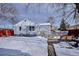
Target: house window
[31,28]
[20,28]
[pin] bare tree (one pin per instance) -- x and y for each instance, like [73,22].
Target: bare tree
[8,12]
[51,21]
[74,11]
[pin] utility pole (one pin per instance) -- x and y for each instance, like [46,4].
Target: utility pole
[76,18]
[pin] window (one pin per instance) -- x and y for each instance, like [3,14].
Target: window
[20,28]
[31,28]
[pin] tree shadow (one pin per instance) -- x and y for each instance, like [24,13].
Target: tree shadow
[11,52]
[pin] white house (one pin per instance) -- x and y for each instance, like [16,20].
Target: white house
[25,27]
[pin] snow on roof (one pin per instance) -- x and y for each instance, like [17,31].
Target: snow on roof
[25,23]
[6,25]
[19,23]
[28,23]
[45,24]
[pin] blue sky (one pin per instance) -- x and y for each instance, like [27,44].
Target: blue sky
[39,13]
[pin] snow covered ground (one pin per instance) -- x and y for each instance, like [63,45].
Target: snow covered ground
[64,49]
[30,46]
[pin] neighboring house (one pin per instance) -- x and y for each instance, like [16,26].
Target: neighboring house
[6,30]
[74,30]
[25,27]
[73,27]
[44,29]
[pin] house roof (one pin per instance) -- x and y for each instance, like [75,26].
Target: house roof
[6,25]
[28,23]
[44,24]
[25,23]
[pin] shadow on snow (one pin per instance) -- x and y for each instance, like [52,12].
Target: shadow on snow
[11,52]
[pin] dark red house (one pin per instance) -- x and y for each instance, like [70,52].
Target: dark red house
[74,32]
[6,32]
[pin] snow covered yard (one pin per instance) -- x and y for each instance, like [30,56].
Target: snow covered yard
[64,49]
[30,46]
